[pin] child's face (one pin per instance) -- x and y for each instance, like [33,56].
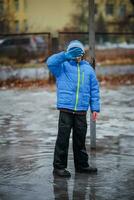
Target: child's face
[78,59]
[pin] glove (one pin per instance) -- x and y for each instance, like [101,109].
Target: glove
[74,53]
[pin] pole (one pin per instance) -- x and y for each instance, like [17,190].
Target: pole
[92,58]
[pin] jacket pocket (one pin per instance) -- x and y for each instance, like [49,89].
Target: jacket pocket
[65,97]
[86,100]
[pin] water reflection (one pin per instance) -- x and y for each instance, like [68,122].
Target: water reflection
[60,188]
[81,188]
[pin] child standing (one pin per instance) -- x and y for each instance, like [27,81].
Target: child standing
[77,89]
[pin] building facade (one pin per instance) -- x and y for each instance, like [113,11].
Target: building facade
[13,16]
[117,14]
[53,15]
[49,15]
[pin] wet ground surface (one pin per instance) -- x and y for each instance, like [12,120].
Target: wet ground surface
[28,129]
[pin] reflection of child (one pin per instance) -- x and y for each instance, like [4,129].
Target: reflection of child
[77,89]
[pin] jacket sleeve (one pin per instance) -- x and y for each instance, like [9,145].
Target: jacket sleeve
[94,92]
[54,63]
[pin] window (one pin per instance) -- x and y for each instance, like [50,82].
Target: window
[16,41]
[25,25]
[96,9]
[16,5]
[109,9]
[1,6]
[8,42]
[24,41]
[122,10]
[17,26]
[25,5]
[1,26]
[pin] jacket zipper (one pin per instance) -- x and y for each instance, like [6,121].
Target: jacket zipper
[78,87]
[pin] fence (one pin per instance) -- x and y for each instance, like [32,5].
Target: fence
[109,46]
[32,46]
[26,46]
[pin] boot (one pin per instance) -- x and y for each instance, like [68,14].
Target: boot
[61,173]
[87,170]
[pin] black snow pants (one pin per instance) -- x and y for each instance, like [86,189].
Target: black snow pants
[78,123]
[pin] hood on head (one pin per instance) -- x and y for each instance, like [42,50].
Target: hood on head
[75,43]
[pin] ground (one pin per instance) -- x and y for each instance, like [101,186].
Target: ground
[28,129]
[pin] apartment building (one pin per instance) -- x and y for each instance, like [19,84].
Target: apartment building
[54,15]
[116,13]
[13,17]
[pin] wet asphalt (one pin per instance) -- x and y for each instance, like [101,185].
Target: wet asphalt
[28,129]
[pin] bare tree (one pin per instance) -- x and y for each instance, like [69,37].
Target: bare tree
[101,26]
[80,17]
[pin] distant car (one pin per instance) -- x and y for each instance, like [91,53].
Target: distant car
[26,46]
[1,40]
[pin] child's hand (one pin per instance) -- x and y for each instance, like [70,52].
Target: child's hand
[74,53]
[94,116]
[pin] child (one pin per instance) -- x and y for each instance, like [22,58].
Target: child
[77,89]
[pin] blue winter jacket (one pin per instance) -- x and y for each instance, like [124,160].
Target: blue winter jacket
[77,85]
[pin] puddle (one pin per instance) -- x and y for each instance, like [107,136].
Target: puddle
[28,129]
